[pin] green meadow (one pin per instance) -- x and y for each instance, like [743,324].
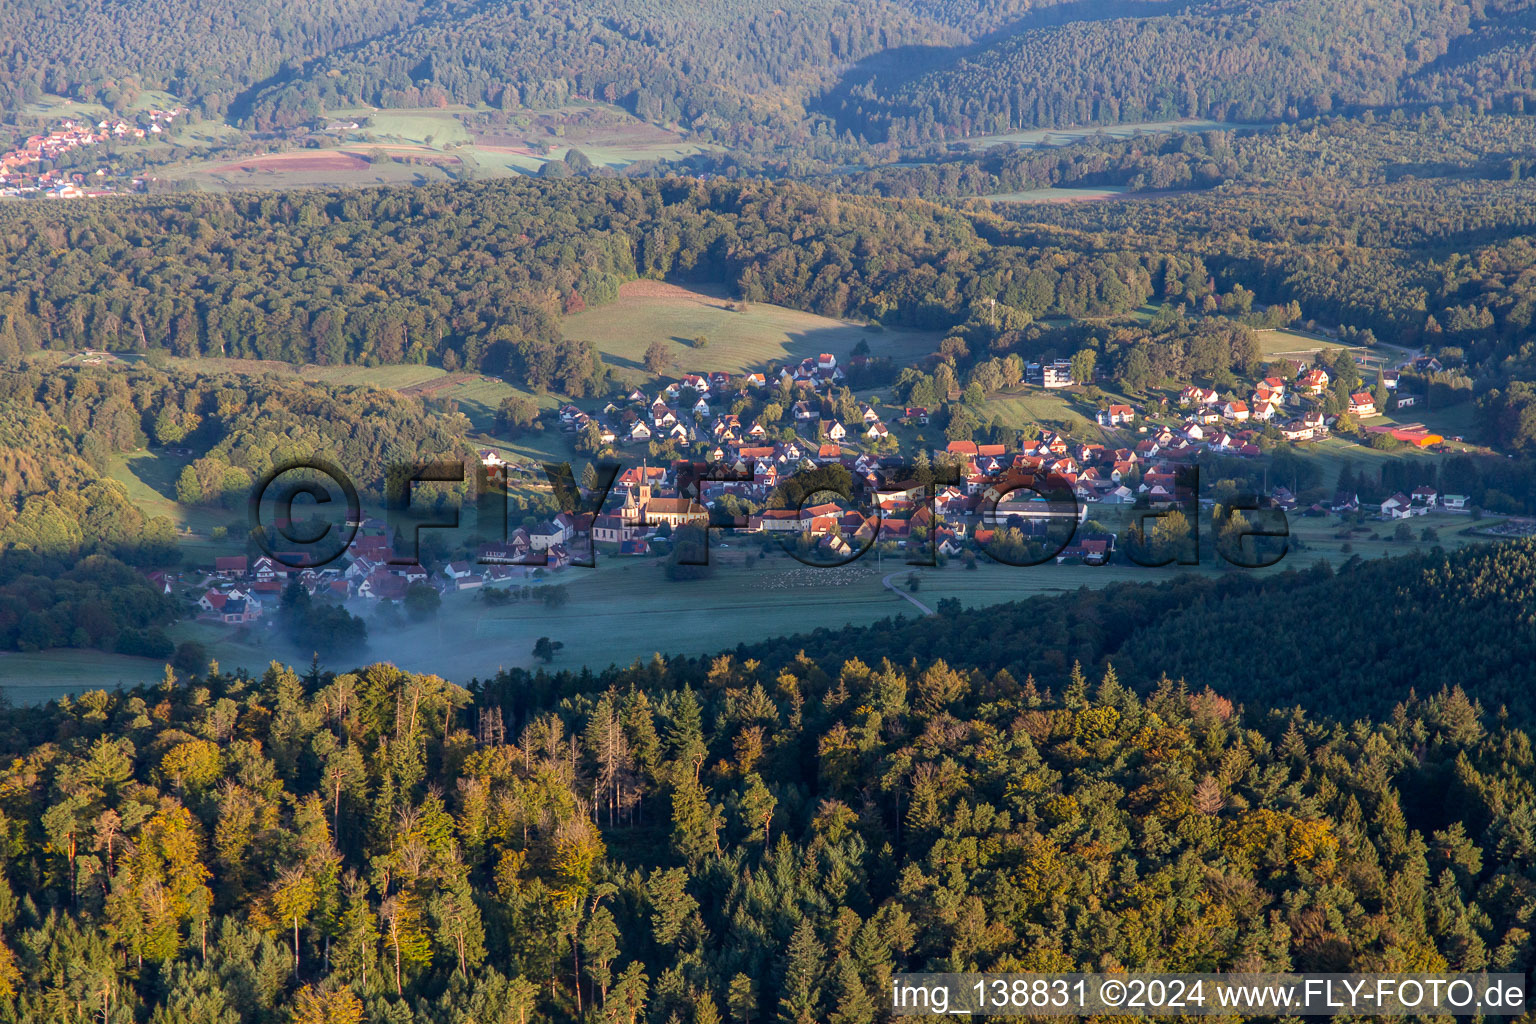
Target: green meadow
[738,342]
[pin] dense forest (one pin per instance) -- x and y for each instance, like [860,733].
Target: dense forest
[205,51]
[333,277]
[724,69]
[732,839]
[719,70]
[761,75]
[1418,259]
[1230,60]
[1377,628]
[1356,150]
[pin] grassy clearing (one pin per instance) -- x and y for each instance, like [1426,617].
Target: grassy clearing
[437,128]
[372,376]
[1458,420]
[55,107]
[1285,342]
[1040,407]
[154,99]
[41,676]
[1057,195]
[1333,452]
[218,176]
[764,335]
[150,478]
[1041,137]
[487,162]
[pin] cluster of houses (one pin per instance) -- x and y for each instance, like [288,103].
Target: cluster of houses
[678,410]
[1292,407]
[749,463]
[979,488]
[1422,501]
[975,488]
[29,168]
[242,590]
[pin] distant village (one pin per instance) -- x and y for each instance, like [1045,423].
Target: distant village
[31,168]
[977,488]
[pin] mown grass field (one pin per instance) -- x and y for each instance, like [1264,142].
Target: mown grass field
[1284,342]
[53,107]
[150,478]
[1065,136]
[1057,195]
[371,376]
[764,335]
[40,676]
[1044,407]
[220,174]
[427,126]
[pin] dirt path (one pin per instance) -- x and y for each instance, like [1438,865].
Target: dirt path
[903,595]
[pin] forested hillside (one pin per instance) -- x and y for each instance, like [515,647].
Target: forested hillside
[1358,150]
[1344,643]
[1238,60]
[745,61]
[206,51]
[759,74]
[68,532]
[767,844]
[1442,262]
[65,534]
[334,277]
[1492,66]
[719,68]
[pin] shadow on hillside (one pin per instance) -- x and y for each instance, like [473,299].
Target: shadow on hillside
[888,70]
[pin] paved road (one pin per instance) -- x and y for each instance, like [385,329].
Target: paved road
[903,594]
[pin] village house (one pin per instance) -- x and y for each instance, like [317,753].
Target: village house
[1116,415]
[1051,375]
[613,530]
[1362,405]
[1401,506]
[1297,430]
[229,567]
[545,535]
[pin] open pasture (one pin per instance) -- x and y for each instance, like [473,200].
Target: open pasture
[738,342]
